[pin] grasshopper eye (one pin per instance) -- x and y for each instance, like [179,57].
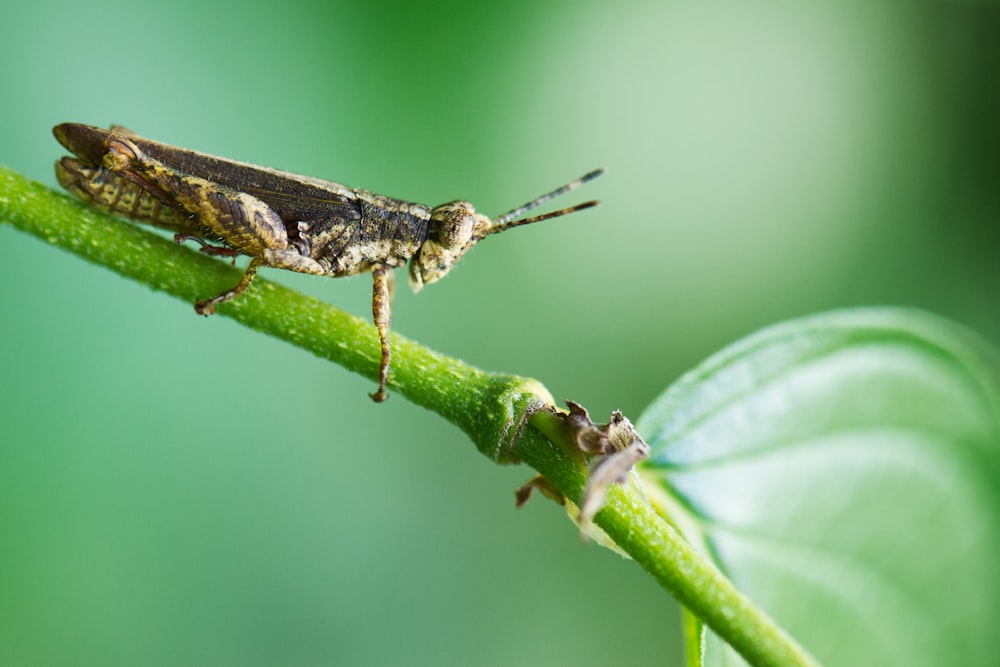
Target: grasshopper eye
[451,225]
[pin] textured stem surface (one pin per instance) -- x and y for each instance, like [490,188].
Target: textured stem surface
[499,412]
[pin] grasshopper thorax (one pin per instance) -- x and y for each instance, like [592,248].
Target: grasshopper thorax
[453,229]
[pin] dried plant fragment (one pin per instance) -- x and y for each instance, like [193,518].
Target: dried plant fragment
[612,449]
[620,449]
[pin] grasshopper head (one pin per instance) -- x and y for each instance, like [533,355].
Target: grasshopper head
[453,229]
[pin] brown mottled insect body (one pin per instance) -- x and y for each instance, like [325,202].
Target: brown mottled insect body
[278,219]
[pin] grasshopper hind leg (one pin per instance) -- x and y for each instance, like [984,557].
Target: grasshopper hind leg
[275,258]
[207,307]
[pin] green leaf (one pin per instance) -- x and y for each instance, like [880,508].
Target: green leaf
[844,471]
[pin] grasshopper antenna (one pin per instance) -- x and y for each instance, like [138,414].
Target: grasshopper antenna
[510,219]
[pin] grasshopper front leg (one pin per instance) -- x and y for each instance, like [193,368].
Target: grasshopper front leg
[384,284]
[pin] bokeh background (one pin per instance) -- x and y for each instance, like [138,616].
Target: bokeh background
[766,160]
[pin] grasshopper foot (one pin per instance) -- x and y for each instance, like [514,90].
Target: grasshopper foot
[207,307]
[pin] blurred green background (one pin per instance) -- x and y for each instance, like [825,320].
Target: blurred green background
[766,160]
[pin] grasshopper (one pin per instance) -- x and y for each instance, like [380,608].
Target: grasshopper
[279,219]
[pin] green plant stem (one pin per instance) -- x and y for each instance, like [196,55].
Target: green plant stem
[501,413]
